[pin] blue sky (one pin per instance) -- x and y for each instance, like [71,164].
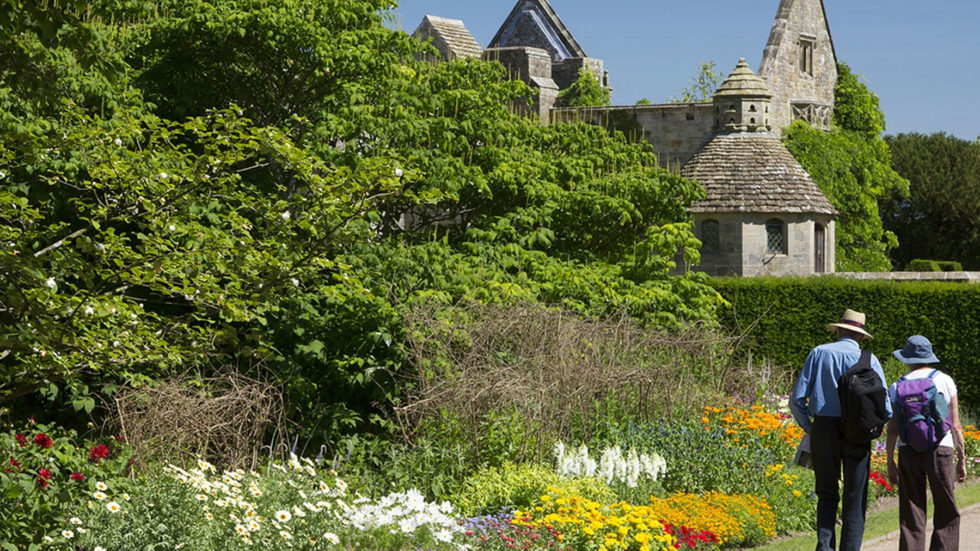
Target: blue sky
[922,57]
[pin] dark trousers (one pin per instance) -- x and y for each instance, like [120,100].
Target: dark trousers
[834,458]
[939,469]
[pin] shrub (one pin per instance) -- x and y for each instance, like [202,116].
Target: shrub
[786,317]
[700,460]
[44,473]
[287,506]
[520,486]
[919,265]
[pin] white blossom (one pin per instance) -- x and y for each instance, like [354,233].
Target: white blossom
[285,215]
[399,172]
[118,142]
[50,283]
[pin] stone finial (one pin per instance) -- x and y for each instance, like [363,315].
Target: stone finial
[742,102]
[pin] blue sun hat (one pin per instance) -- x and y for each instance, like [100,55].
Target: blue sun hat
[917,350]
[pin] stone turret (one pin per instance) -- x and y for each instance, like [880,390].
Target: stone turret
[799,65]
[742,102]
[762,214]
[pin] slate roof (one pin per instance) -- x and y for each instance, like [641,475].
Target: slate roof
[450,36]
[753,172]
[535,23]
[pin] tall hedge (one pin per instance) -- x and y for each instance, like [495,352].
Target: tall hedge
[785,317]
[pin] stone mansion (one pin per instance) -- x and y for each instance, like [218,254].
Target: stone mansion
[762,213]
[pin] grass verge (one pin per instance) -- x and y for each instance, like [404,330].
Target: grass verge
[877,524]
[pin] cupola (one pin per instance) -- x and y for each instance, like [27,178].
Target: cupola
[742,102]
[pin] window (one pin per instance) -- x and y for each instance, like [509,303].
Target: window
[710,237]
[775,236]
[806,55]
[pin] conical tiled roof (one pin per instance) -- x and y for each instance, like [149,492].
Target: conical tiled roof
[742,82]
[753,172]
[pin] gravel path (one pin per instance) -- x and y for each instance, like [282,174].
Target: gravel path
[969,533]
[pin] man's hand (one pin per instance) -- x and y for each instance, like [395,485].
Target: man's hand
[893,472]
[961,470]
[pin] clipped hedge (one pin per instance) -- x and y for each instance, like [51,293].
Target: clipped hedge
[786,317]
[920,265]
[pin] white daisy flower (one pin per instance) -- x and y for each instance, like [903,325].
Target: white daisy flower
[331,537]
[283,516]
[75,520]
[68,534]
[113,507]
[99,496]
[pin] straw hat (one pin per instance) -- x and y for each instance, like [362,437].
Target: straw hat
[852,321]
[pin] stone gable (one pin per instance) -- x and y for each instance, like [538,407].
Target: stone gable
[799,65]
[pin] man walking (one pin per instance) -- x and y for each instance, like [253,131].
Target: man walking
[815,395]
[926,449]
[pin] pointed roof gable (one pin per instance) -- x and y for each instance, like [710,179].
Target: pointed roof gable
[449,36]
[782,23]
[534,23]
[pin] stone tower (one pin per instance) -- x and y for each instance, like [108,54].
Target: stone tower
[799,65]
[762,214]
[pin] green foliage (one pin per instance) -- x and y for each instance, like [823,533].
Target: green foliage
[786,317]
[644,101]
[284,195]
[854,173]
[584,92]
[703,85]
[699,460]
[920,265]
[938,219]
[856,108]
[520,486]
[45,475]
[852,166]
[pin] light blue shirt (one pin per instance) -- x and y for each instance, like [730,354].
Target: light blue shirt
[815,392]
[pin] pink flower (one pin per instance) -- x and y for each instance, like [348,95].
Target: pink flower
[43,440]
[98,453]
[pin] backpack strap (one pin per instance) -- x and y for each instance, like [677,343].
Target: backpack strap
[933,374]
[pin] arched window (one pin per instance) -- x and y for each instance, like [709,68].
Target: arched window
[710,237]
[775,236]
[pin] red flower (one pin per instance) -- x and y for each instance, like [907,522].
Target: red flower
[15,463]
[43,440]
[42,477]
[120,437]
[78,477]
[98,453]
[21,439]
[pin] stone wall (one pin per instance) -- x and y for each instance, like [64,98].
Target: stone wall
[799,257]
[676,130]
[565,72]
[533,66]
[799,65]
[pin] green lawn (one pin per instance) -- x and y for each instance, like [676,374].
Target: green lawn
[877,524]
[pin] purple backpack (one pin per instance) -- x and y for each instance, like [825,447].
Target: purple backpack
[921,412]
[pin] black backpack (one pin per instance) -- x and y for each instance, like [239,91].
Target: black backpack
[862,401]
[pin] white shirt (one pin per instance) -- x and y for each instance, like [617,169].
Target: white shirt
[944,385]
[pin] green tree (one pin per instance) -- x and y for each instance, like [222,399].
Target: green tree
[201,211]
[939,219]
[703,85]
[852,166]
[584,92]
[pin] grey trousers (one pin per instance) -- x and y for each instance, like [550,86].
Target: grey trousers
[914,470]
